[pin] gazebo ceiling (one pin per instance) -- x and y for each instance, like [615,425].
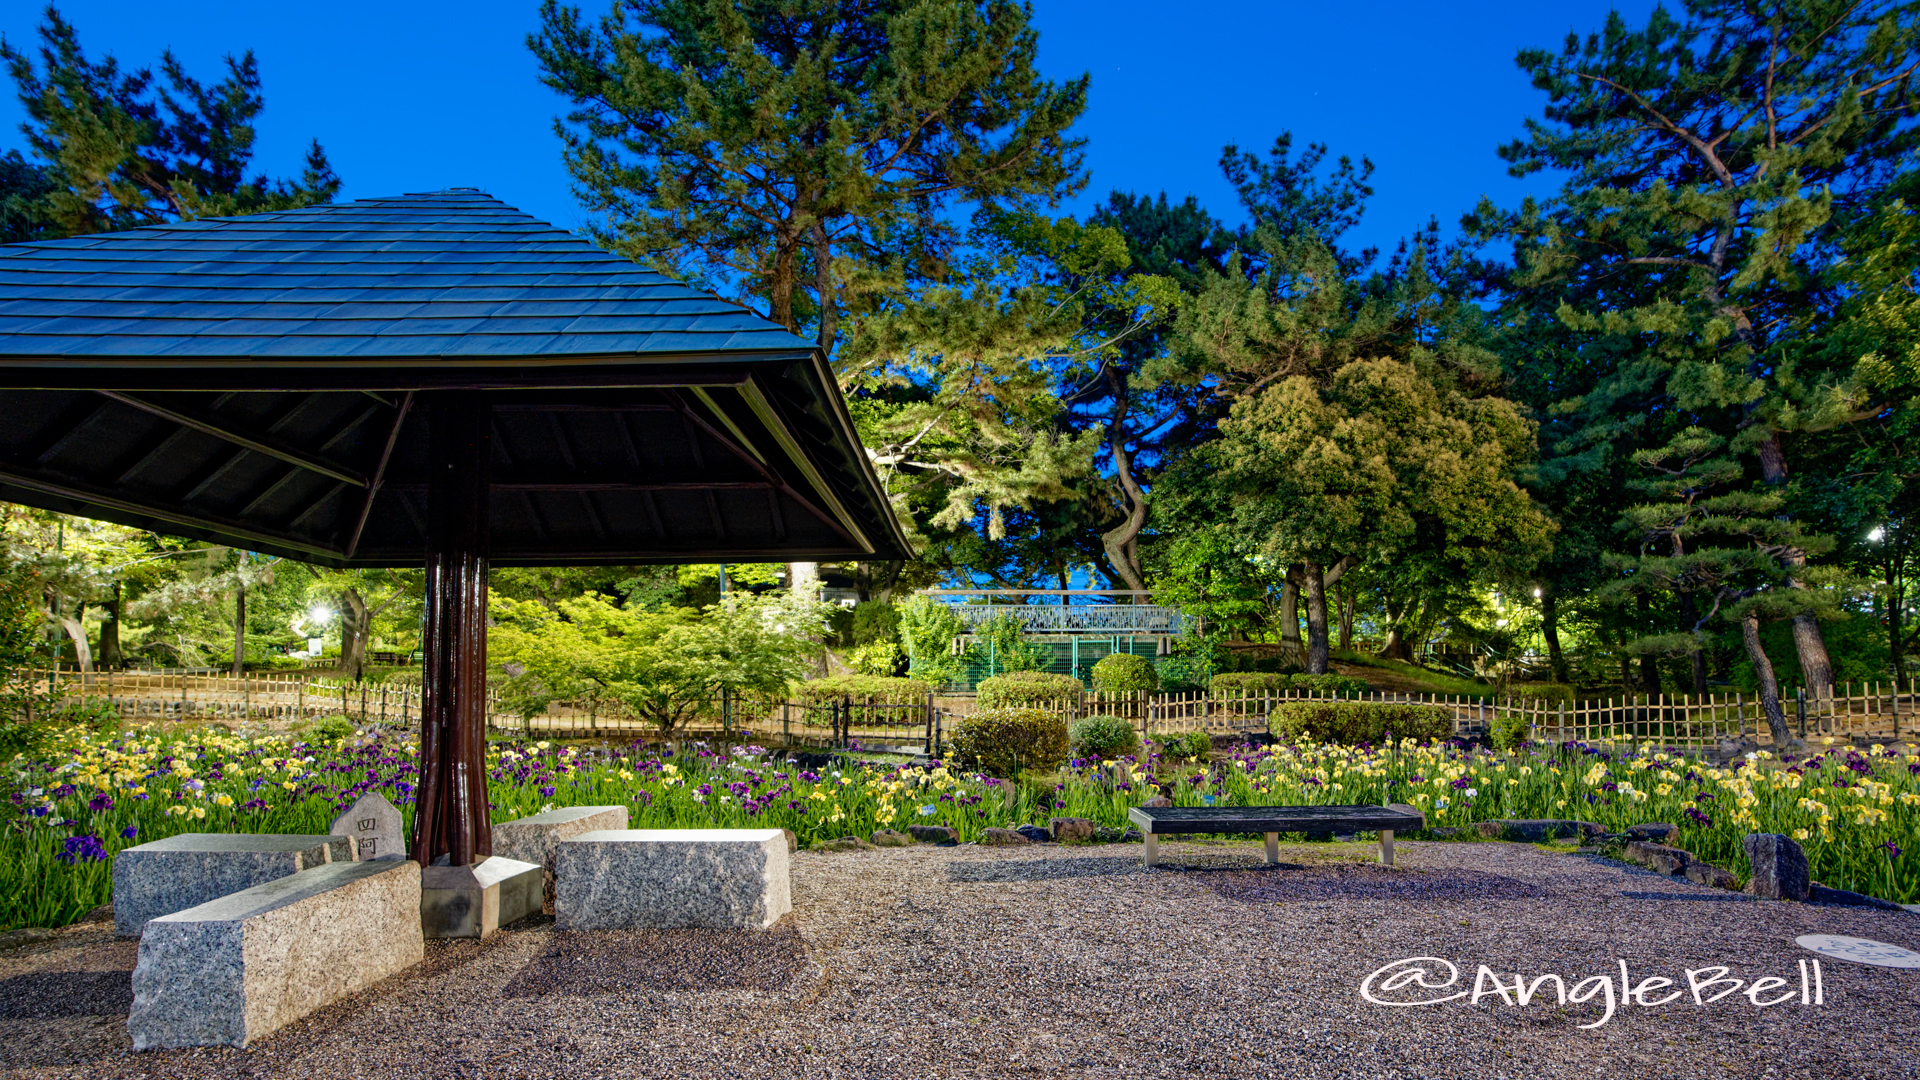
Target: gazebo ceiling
[254,381]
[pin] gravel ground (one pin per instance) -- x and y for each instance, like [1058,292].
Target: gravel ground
[1065,961]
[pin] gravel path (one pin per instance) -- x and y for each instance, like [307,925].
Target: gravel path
[1063,961]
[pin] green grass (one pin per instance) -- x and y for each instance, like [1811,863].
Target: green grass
[1434,682]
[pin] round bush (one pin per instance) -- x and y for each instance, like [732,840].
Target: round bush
[1029,690]
[1124,673]
[1354,722]
[1002,742]
[1184,745]
[1103,736]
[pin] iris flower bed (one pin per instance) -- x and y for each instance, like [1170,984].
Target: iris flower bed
[1856,811]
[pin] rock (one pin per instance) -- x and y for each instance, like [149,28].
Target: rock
[1778,867]
[1003,838]
[1656,832]
[232,970]
[1107,834]
[1710,875]
[187,870]
[375,826]
[793,842]
[1491,830]
[846,843]
[100,914]
[1445,832]
[1070,830]
[671,879]
[1658,857]
[1535,830]
[933,834]
[1158,800]
[1589,830]
[474,901]
[1033,833]
[890,838]
[1820,894]
[533,839]
[26,935]
[1132,836]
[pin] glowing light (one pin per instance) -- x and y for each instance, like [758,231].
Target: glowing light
[319,615]
[1878,534]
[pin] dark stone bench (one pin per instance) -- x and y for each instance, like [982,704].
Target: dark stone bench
[1158,821]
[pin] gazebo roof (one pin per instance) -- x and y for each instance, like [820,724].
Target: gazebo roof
[250,380]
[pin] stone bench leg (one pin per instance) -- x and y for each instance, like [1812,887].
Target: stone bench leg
[1386,847]
[1153,848]
[1273,849]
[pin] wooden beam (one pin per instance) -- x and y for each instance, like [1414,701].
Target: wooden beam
[288,455]
[207,522]
[379,473]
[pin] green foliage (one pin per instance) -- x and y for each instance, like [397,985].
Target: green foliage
[876,658]
[665,666]
[1510,730]
[1124,673]
[1002,642]
[1006,741]
[1029,689]
[1246,684]
[1352,723]
[1103,736]
[861,689]
[121,151]
[876,622]
[1183,746]
[928,629]
[329,729]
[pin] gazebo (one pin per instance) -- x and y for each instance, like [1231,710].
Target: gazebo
[432,379]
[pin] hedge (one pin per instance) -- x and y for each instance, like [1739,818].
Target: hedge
[1104,736]
[1002,742]
[1355,722]
[1029,689]
[1246,684]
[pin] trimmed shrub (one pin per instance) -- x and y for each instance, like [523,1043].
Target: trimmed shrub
[1104,736]
[1002,742]
[1329,684]
[1184,745]
[1510,731]
[1029,690]
[1125,673]
[876,622]
[1244,684]
[881,659]
[1354,722]
[1543,691]
[863,690]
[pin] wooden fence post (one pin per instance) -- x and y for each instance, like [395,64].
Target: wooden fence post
[1800,709]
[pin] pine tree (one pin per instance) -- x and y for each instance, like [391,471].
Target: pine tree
[804,152]
[121,150]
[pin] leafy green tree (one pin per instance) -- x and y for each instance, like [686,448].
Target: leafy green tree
[667,666]
[928,629]
[123,150]
[1710,156]
[807,152]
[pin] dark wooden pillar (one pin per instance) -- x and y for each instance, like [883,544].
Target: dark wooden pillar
[451,815]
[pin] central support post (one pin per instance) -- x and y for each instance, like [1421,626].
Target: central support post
[451,815]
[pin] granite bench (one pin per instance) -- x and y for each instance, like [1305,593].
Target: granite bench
[173,874]
[232,970]
[631,879]
[1158,821]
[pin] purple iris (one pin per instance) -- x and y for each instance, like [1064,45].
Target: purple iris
[83,848]
[129,832]
[100,802]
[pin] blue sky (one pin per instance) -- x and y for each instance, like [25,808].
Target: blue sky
[412,97]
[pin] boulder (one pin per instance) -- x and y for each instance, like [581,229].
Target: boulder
[1003,838]
[1658,857]
[1070,830]
[1712,876]
[890,838]
[1656,832]
[1778,867]
[933,834]
[1535,830]
[847,843]
[1158,800]
[1033,833]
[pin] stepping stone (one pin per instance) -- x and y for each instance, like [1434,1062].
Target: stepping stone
[164,876]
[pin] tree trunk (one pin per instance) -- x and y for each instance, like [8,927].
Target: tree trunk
[110,630]
[1550,629]
[1649,670]
[803,580]
[1769,688]
[240,627]
[1816,668]
[1697,656]
[823,284]
[1896,601]
[1346,596]
[1119,540]
[1290,650]
[1317,653]
[355,628]
[82,654]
